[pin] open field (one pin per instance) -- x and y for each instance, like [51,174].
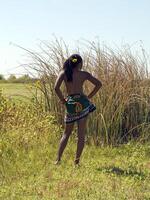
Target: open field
[110,170]
[15,90]
[28,147]
[28,172]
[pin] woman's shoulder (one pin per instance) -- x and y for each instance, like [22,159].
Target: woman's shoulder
[86,74]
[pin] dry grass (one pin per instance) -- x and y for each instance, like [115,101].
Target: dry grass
[123,111]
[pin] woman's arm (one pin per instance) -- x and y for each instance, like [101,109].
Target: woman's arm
[58,83]
[96,82]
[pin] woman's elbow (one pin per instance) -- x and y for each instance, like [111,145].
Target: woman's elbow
[99,84]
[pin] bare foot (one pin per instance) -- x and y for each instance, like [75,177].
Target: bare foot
[76,165]
[57,162]
[76,162]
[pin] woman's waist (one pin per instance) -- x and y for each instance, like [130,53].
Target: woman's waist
[76,93]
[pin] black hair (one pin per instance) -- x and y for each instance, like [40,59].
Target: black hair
[71,63]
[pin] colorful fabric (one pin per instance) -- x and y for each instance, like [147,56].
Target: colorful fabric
[77,107]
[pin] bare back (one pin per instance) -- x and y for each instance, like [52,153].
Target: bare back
[76,86]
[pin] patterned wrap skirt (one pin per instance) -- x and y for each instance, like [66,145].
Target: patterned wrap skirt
[77,107]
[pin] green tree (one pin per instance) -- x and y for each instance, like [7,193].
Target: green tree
[24,79]
[12,78]
[2,77]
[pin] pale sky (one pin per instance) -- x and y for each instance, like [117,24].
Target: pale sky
[25,22]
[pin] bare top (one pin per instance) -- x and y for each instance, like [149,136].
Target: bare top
[76,86]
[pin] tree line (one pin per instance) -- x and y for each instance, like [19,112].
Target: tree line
[13,79]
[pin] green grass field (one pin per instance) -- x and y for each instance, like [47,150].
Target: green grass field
[12,89]
[15,90]
[105,173]
[28,147]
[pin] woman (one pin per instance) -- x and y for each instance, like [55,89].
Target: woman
[77,104]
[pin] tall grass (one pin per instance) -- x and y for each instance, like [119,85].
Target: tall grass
[123,103]
[28,146]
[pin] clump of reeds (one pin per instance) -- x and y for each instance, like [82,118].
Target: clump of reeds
[123,103]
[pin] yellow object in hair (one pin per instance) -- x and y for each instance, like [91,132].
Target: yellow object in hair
[74,60]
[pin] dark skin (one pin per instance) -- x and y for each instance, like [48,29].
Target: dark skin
[76,86]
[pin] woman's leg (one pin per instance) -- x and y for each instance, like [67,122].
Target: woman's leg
[64,140]
[81,138]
